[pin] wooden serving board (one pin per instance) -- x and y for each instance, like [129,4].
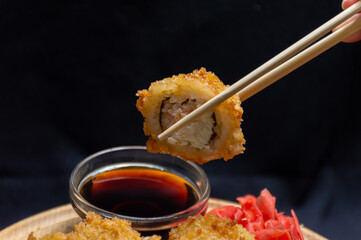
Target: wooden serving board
[63,219]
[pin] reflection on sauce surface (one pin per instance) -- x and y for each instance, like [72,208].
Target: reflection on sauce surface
[139,192]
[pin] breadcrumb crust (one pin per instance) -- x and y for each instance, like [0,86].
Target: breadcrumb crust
[210,227]
[94,227]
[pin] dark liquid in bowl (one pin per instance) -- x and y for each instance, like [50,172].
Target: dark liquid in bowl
[139,192]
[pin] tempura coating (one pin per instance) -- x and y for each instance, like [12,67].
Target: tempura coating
[216,134]
[209,227]
[94,227]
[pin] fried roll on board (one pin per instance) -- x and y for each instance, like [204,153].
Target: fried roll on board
[216,134]
[209,227]
[95,227]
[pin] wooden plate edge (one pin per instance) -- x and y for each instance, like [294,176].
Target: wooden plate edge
[65,214]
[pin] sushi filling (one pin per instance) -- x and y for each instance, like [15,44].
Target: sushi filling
[197,134]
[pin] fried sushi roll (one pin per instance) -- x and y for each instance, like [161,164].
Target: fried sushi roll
[209,227]
[95,227]
[216,134]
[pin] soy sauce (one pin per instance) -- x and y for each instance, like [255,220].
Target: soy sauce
[139,192]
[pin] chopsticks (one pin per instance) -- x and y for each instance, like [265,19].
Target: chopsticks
[280,65]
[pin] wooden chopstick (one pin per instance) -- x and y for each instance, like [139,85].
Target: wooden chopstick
[299,46]
[300,59]
[281,64]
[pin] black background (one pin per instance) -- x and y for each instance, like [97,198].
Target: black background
[70,71]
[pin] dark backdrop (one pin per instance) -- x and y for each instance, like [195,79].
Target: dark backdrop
[69,72]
